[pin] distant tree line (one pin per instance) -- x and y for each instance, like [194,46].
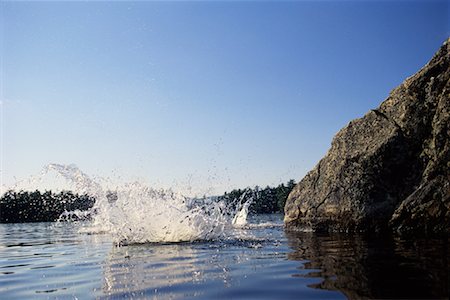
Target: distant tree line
[265,200]
[23,206]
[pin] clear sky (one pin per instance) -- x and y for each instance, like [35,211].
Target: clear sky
[204,95]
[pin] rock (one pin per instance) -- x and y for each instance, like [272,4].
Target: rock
[388,169]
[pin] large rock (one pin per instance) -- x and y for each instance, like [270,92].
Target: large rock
[387,169]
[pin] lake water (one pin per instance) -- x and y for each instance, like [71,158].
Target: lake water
[55,260]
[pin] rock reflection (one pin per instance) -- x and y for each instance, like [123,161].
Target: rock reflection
[374,267]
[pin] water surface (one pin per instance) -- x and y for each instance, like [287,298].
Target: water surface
[48,260]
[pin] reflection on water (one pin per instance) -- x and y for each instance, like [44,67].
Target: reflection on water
[257,262]
[41,260]
[375,267]
[254,266]
[219,270]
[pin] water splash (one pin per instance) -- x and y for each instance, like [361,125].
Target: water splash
[141,214]
[240,218]
[81,182]
[136,213]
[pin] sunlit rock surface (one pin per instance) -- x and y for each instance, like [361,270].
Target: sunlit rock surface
[388,169]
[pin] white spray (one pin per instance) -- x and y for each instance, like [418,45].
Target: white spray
[139,214]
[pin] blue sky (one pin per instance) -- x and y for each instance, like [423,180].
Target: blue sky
[201,96]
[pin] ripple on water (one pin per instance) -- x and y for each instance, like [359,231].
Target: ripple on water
[263,263]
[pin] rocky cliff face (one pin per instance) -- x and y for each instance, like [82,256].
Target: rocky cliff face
[387,169]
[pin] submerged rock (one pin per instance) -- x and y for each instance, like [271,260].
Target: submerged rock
[388,169]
